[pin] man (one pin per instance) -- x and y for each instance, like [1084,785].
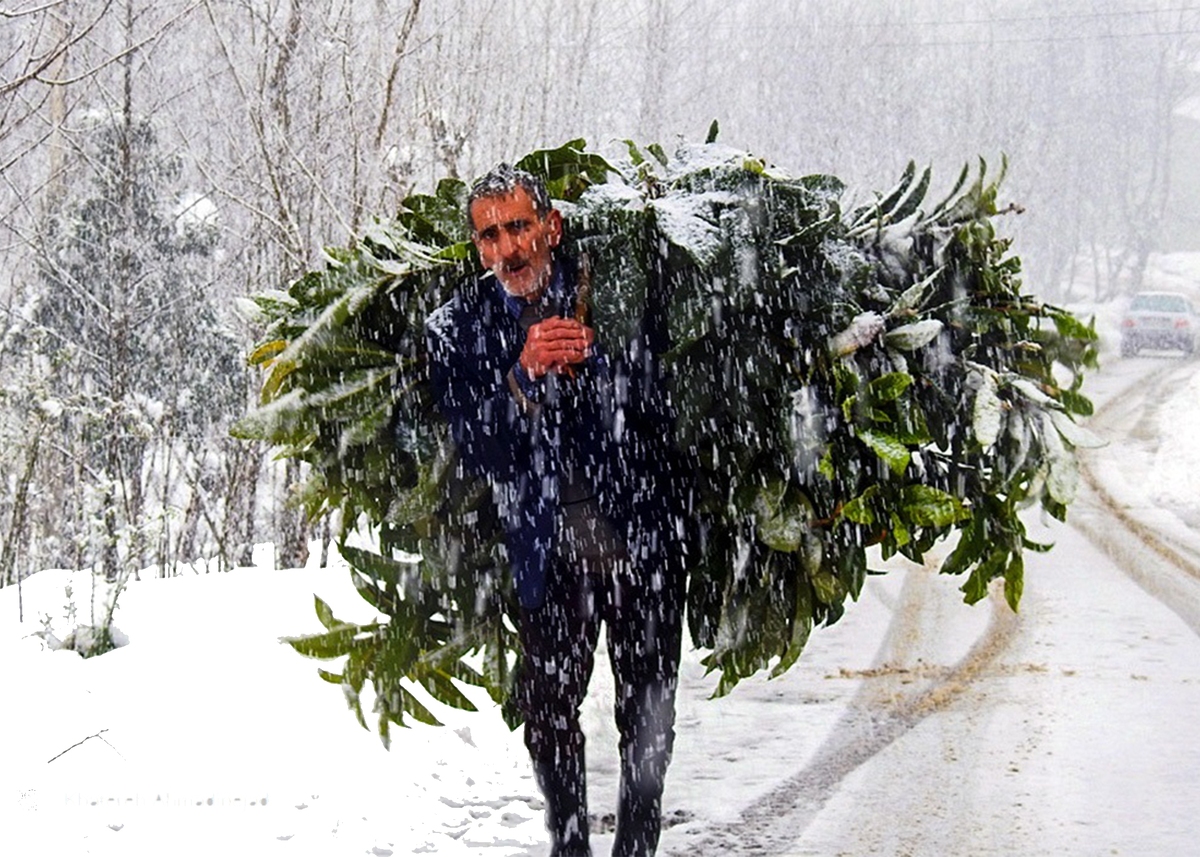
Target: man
[575,443]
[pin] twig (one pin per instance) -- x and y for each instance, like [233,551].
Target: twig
[17,13]
[410,18]
[77,743]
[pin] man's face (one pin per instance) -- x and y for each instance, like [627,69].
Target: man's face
[514,243]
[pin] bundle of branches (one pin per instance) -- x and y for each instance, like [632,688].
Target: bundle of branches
[843,378]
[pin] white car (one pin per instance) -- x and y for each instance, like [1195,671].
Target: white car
[1159,320]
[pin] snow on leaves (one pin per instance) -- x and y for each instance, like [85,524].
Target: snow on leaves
[840,379]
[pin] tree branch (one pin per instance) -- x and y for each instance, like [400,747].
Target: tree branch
[88,738]
[20,13]
[54,54]
[410,19]
[120,55]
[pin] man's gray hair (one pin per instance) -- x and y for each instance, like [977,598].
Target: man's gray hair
[502,180]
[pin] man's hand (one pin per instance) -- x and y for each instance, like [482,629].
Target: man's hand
[554,345]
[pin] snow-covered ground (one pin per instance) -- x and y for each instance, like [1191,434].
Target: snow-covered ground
[915,726]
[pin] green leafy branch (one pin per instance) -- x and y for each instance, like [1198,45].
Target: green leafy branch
[840,379]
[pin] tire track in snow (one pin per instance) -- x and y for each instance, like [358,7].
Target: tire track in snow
[876,718]
[873,721]
[1164,566]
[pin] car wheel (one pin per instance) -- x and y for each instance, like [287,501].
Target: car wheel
[1128,349]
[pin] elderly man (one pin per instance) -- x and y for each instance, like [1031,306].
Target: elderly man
[575,443]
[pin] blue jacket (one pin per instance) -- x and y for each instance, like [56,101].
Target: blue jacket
[615,411]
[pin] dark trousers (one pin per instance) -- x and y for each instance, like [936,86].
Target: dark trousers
[642,607]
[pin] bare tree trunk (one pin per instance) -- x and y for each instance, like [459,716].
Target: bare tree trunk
[291,551]
[58,118]
[110,555]
[656,59]
[17,521]
[326,538]
[189,527]
[410,20]
[245,464]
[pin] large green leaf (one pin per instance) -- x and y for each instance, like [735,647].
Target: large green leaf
[887,447]
[926,506]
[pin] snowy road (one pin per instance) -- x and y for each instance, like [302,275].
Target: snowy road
[1070,729]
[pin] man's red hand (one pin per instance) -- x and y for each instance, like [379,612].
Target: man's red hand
[554,345]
